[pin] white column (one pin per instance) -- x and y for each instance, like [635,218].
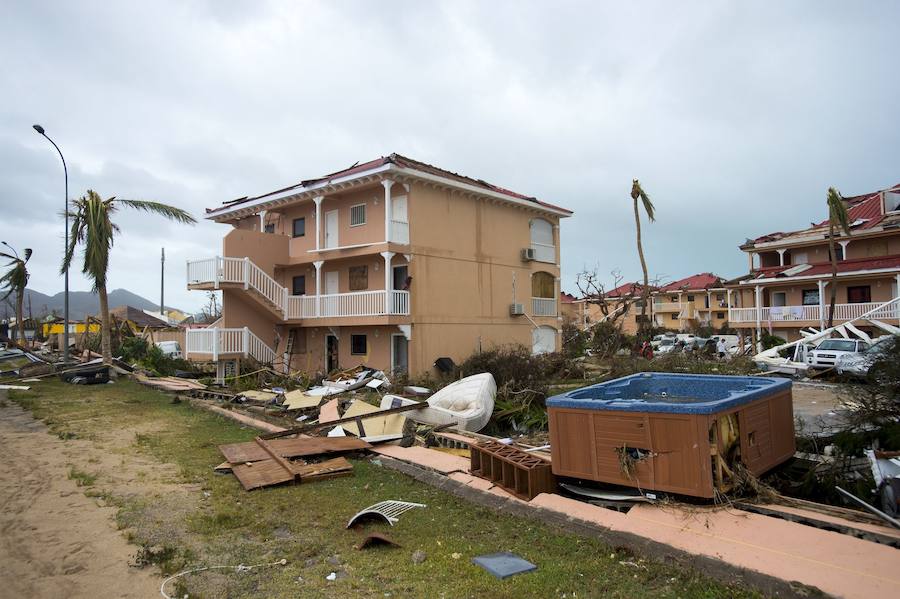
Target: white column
[728,303]
[758,301]
[262,221]
[318,264]
[844,243]
[318,201]
[246,342]
[246,269]
[388,183]
[822,318]
[387,281]
[780,257]
[556,287]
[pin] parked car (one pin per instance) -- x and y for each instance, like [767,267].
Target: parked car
[666,345]
[657,339]
[830,351]
[857,365]
[170,348]
[731,341]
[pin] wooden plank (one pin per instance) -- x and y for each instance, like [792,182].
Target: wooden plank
[320,425]
[237,453]
[255,475]
[322,470]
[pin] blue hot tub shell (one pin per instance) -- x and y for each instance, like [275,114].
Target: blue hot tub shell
[671,393]
[680,433]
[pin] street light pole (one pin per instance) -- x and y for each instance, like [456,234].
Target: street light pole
[40,130]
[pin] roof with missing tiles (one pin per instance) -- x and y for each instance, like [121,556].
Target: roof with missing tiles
[398,161]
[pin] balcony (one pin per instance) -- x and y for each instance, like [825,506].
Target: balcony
[241,272]
[541,306]
[667,306]
[210,344]
[842,312]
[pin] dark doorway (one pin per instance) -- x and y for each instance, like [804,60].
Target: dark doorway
[399,354]
[331,353]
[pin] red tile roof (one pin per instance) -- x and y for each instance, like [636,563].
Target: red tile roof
[703,280]
[402,162]
[824,268]
[633,289]
[867,208]
[566,298]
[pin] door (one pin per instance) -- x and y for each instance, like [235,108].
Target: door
[399,354]
[331,229]
[399,302]
[331,303]
[399,220]
[861,294]
[331,353]
[779,299]
[331,282]
[543,340]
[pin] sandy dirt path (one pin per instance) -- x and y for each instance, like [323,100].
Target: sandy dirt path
[55,542]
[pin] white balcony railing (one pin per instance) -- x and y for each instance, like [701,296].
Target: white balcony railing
[541,306]
[544,252]
[293,307]
[212,343]
[667,307]
[842,312]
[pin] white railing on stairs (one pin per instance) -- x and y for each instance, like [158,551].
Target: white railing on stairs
[294,307]
[216,342]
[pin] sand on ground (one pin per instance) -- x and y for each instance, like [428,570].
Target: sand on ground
[54,540]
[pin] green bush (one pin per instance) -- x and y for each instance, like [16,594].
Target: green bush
[769,341]
[134,349]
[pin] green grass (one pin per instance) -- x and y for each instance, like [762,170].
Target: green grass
[81,478]
[215,522]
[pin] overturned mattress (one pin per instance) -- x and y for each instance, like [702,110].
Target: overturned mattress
[469,403]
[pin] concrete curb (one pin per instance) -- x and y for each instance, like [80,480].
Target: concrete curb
[660,552]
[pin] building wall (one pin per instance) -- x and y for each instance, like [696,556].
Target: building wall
[263,249]
[240,310]
[858,248]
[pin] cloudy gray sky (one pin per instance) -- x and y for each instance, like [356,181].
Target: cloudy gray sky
[735,116]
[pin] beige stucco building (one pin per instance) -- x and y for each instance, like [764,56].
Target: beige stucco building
[788,286]
[697,300]
[392,263]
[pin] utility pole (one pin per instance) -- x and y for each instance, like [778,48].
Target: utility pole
[162,284]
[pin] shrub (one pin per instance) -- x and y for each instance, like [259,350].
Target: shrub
[769,341]
[134,349]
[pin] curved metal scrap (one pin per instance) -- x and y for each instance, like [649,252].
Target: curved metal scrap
[389,511]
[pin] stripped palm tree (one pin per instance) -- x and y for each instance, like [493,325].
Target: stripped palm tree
[93,228]
[15,280]
[837,217]
[637,192]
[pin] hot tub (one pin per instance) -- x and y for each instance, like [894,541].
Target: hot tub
[680,433]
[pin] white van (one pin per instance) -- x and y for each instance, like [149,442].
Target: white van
[731,341]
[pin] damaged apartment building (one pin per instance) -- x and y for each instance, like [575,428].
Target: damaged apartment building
[391,263]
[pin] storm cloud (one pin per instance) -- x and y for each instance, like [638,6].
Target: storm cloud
[736,117]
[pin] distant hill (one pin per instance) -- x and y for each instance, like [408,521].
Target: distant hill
[81,303]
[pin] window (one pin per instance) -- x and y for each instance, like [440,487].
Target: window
[298,285]
[859,295]
[270,228]
[838,251]
[798,258]
[779,298]
[359,278]
[690,298]
[542,241]
[543,284]
[720,315]
[674,316]
[358,345]
[810,297]
[357,215]
[299,227]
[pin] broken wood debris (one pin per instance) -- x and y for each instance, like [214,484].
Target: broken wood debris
[264,464]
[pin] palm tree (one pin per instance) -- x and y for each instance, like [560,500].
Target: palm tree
[837,216]
[15,280]
[93,228]
[638,192]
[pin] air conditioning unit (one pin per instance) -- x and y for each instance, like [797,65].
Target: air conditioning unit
[516,310]
[528,254]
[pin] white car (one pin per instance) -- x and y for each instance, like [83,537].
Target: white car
[666,345]
[830,351]
[857,365]
[170,348]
